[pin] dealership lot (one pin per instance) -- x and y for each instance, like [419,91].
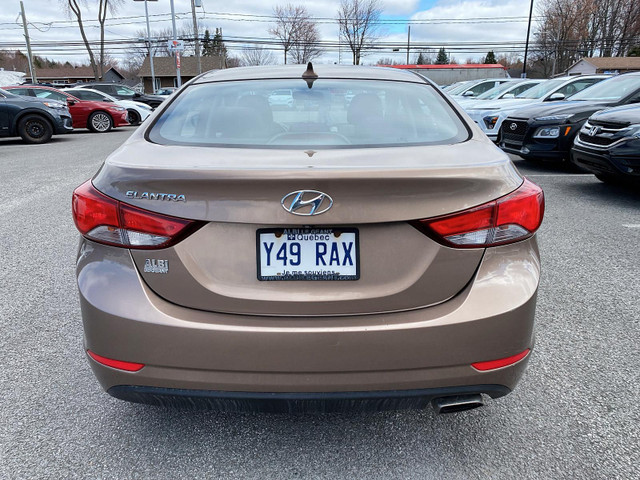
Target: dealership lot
[574,415]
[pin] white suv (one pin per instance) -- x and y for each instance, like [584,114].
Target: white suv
[490,117]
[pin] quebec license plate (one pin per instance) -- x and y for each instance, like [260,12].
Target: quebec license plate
[323,253]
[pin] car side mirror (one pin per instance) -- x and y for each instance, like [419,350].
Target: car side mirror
[136,95]
[70,101]
[468,93]
[556,96]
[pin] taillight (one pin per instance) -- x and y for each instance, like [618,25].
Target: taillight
[105,220]
[509,219]
[500,363]
[119,364]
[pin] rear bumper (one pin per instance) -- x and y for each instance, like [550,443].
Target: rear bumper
[190,350]
[296,402]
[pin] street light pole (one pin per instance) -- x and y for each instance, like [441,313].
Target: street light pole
[153,73]
[34,78]
[526,46]
[408,43]
[195,31]
[175,39]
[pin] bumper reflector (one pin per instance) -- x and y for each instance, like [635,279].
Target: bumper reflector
[119,364]
[503,362]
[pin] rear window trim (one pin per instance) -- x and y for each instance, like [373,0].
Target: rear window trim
[194,81]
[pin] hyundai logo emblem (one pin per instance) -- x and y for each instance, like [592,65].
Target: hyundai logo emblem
[513,126]
[306,202]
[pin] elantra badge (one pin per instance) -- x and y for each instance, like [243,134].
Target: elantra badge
[306,202]
[175,197]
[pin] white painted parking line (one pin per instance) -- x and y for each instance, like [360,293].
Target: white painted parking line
[632,225]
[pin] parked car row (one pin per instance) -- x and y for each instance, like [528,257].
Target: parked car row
[569,119]
[36,112]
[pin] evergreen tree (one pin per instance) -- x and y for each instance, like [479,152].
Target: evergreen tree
[213,47]
[421,60]
[218,47]
[634,51]
[442,58]
[206,44]
[490,58]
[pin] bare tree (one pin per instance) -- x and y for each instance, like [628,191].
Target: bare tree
[560,33]
[358,23]
[75,7]
[290,22]
[104,7]
[254,56]
[306,45]
[571,29]
[233,62]
[159,40]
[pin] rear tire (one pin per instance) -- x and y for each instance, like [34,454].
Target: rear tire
[34,129]
[133,118]
[100,122]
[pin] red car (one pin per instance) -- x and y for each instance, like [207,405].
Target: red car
[96,116]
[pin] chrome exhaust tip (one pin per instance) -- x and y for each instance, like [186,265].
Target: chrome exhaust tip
[457,403]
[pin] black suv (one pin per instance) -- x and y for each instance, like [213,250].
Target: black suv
[122,92]
[546,132]
[608,144]
[33,119]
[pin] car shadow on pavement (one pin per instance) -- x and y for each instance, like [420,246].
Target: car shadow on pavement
[290,444]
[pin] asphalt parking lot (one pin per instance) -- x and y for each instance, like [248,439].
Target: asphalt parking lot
[574,415]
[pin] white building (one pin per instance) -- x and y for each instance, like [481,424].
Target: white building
[591,66]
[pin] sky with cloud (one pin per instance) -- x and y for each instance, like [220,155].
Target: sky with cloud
[468,28]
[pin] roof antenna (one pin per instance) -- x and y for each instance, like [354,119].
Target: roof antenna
[309,75]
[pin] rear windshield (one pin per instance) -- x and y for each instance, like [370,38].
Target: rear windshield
[287,113]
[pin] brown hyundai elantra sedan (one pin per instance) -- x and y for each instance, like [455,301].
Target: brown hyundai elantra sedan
[361,246]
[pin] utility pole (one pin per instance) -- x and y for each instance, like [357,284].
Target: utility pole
[223,58]
[195,31]
[408,43]
[526,45]
[175,39]
[32,71]
[153,73]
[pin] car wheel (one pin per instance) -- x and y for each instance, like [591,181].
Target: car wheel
[35,129]
[100,122]
[133,118]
